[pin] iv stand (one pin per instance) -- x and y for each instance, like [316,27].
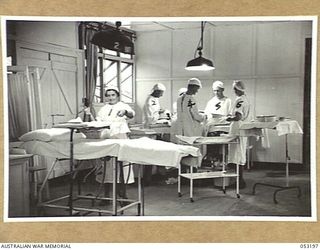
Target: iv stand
[280,188]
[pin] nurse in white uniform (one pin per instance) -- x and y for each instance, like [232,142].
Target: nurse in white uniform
[152,109]
[240,112]
[173,129]
[219,106]
[217,110]
[189,119]
[117,113]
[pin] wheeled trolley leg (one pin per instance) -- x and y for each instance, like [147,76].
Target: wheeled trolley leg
[191,184]
[238,177]
[114,187]
[179,182]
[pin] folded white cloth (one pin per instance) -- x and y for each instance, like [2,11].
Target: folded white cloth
[188,139]
[76,120]
[288,127]
[265,142]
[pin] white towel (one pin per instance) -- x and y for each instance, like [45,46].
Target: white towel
[265,142]
[288,127]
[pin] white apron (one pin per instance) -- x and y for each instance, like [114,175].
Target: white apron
[237,152]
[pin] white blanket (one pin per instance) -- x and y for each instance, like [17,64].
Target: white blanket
[82,149]
[154,152]
[141,151]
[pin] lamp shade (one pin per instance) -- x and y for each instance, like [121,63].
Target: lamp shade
[200,63]
[113,40]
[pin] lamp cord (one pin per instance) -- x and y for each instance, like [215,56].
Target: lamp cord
[200,43]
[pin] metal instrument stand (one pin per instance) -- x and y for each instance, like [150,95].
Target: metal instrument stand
[279,187]
[224,141]
[70,203]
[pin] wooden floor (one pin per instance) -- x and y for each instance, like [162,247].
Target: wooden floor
[162,199]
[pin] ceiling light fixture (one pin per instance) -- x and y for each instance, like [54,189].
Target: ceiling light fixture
[114,39]
[200,63]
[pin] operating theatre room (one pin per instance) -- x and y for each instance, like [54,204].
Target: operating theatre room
[162,118]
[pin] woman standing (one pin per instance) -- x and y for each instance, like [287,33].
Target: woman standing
[116,113]
[189,119]
[239,113]
[152,109]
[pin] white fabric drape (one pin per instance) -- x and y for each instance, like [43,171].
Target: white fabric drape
[18,105]
[24,100]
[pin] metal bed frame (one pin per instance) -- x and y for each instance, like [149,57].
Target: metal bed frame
[71,197]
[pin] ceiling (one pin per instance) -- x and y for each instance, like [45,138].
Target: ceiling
[143,26]
[156,26]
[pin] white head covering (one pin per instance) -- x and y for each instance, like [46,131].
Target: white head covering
[158,86]
[195,81]
[239,85]
[112,88]
[182,91]
[217,85]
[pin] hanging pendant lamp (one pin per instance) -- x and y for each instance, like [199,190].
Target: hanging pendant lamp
[200,63]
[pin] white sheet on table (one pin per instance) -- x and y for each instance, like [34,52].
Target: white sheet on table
[288,127]
[259,125]
[140,151]
[82,150]
[154,152]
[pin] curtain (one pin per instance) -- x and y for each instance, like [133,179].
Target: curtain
[24,104]
[18,106]
[91,51]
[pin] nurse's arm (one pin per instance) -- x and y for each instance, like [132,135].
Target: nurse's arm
[236,117]
[196,115]
[129,114]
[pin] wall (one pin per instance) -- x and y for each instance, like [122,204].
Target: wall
[267,56]
[52,47]
[52,32]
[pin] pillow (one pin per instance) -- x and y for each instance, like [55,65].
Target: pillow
[51,134]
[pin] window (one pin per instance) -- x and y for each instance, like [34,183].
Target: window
[115,69]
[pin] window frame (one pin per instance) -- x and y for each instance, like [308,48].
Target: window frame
[118,60]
